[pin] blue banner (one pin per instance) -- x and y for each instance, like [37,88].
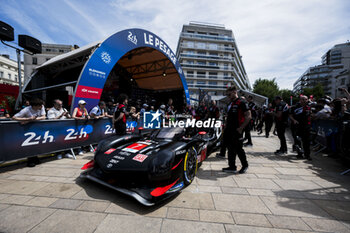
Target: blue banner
[48,136]
[98,67]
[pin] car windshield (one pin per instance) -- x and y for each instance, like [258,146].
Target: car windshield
[168,133]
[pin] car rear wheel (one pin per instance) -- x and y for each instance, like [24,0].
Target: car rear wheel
[190,166]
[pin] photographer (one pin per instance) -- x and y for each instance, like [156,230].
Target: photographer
[57,111]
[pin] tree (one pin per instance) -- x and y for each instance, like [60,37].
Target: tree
[317,91]
[265,87]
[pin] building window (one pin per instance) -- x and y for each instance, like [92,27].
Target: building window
[202,63]
[1,74]
[342,81]
[189,82]
[213,63]
[190,44]
[213,75]
[9,75]
[189,73]
[213,83]
[35,61]
[200,45]
[201,74]
[201,82]
[61,51]
[16,78]
[213,46]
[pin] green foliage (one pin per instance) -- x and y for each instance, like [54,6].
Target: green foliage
[266,87]
[316,91]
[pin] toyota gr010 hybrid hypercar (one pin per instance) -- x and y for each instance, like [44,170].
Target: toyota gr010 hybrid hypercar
[151,167]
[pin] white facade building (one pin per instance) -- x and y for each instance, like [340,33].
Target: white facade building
[333,73]
[9,71]
[210,59]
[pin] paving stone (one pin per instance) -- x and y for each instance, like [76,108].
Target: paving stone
[340,210]
[300,185]
[192,200]
[256,183]
[66,204]
[231,190]
[117,209]
[326,225]
[259,220]
[261,192]
[22,187]
[227,181]
[251,229]
[121,223]
[293,207]
[16,199]
[176,226]
[294,171]
[3,195]
[266,176]
[18,219]
[69,221]
[239,203]
[42,171]
[263,170]
[183,213]
[4,206]
[28,177]
[208,189]
[215,216]
[287,222]
[94,206]
[58,190]
[288,177]
[41,201]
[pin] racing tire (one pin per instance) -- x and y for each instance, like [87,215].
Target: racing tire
[190,166]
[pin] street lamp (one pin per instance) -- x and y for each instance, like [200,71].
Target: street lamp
[29,43]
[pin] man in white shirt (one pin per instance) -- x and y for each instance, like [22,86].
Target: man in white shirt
[57,111]
[98,111]
[34,112]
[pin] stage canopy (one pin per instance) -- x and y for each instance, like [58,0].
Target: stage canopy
[130,59]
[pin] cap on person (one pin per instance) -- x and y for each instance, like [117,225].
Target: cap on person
[162,106]
[81,102]
[145,105]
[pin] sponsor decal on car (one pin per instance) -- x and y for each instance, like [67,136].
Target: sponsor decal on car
[124,153]
[118,157]
[135,147]
[140,157]
[110,151]
[176,187]
[180,152]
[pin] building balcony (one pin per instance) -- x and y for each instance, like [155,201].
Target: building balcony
[205,57]
[218,48]
[205,77]
[206,67]
[206,86]
[206,37]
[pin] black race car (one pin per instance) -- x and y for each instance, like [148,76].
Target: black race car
[151,166]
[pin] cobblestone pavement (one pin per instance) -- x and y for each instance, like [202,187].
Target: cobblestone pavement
[277,194]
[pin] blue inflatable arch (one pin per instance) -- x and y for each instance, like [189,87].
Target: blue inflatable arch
[97,69]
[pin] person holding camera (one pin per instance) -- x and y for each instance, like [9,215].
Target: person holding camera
[57,112]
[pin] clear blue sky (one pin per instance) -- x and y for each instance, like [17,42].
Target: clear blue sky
[275,38]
